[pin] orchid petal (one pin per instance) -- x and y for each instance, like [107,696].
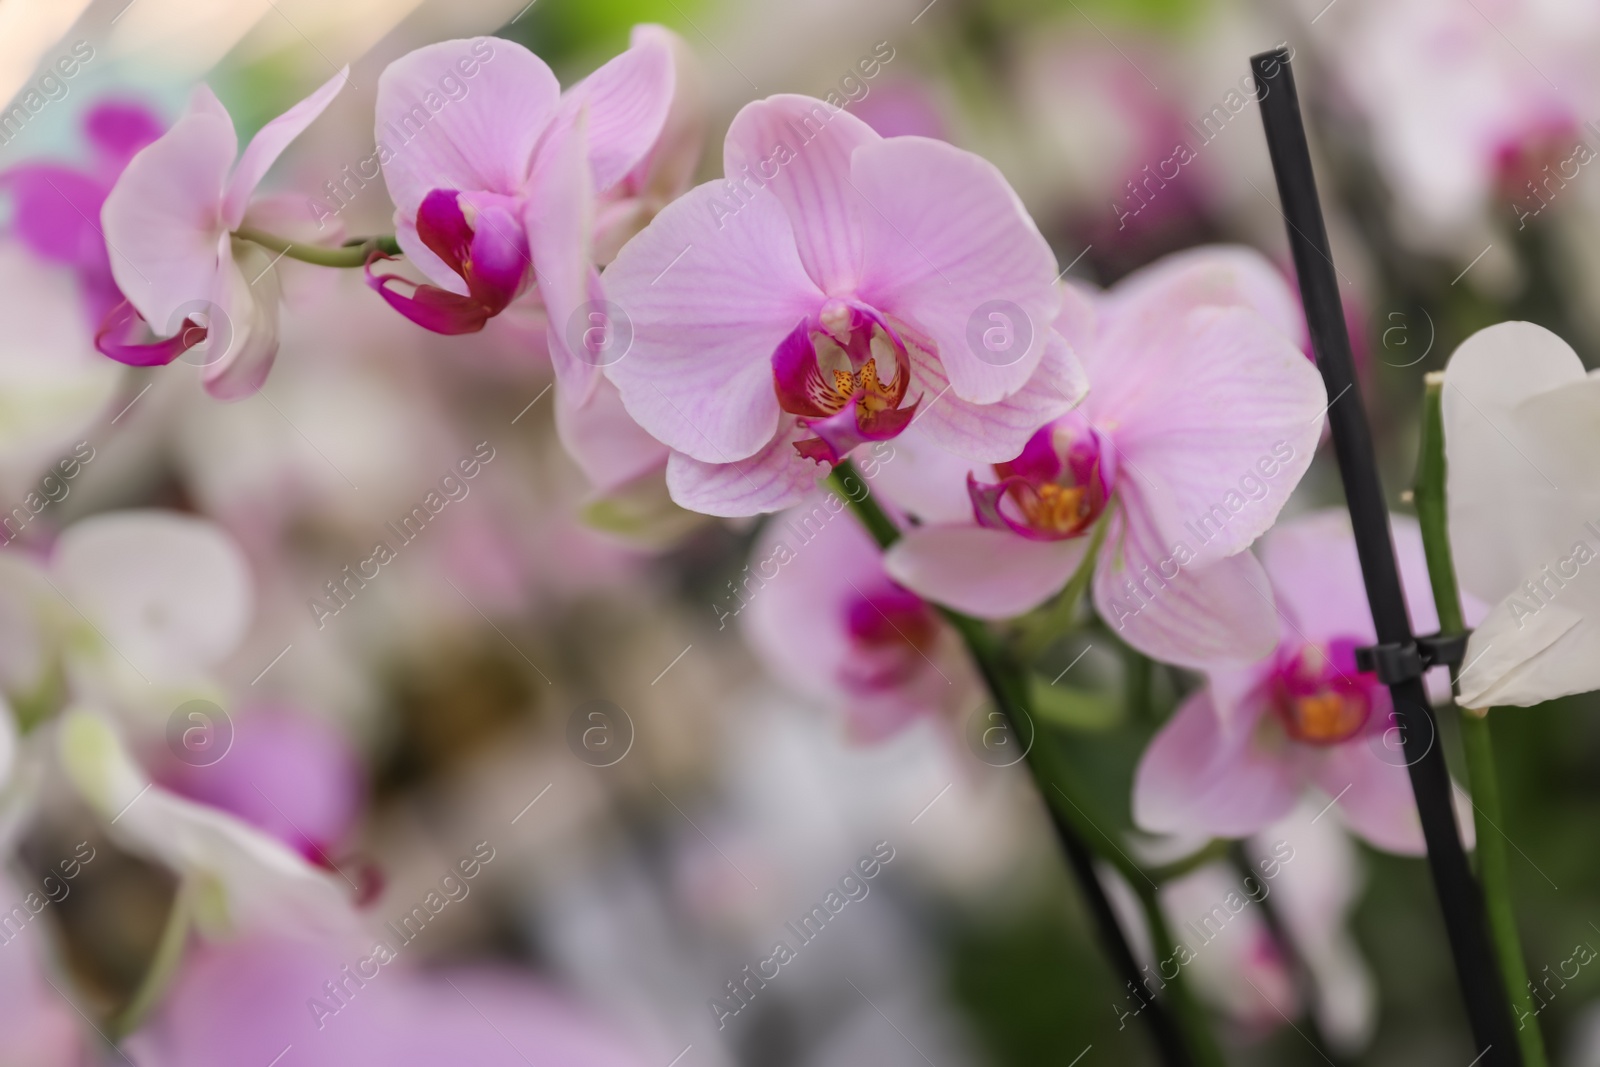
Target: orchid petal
[483,140]
[627,100]
[1515,505]
[1217,417]
[559,218]
[992,574]
[172,594]
[922,479]
[709,296]
[669,166]
[1195,779]
[162,221]
[434,309]
[776,477]
[1189,615]
[119,128]
[806,145]
[947,245]
[268,144]
[609,447]
[244,323]
[997,432]
[1211,276]
[1373,794]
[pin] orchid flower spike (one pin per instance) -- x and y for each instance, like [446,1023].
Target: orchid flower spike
[170,224]
[1240,752]
[504,185]
[836,287]
[1521,419]
[1201,418]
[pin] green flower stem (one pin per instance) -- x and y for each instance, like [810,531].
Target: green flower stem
[1493,861]
[351,254]
[163,966]
[1190,1015]
[1007,684]
[1060,616]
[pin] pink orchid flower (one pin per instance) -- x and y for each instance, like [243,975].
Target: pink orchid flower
[170,222]
[1239,753]
[56,208]
[837,286]
[825,618]
[287,773]
[1202,415]
[510,183]
[248,1000]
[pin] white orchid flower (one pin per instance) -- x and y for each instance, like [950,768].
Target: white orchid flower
[155,601]
[1522,437]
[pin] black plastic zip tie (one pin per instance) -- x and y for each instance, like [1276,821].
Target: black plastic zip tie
[1394,663]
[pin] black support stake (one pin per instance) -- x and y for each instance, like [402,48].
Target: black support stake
[1459,899]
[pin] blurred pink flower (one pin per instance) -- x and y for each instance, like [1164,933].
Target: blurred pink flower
[903,108]
[248,1001]
[1201,418]
[288,773]
[1459,115]
[1311,873]
[169,222]
[1240,752]
[772,334]
[56,207]
[37,1027]
[825,618]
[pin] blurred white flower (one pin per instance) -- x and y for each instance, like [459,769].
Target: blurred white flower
[1522,428]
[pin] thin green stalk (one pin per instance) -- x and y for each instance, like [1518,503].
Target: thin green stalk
[1059,617]
[1191,1017]
[1494,869]
[163,965]
[351,254]
[1191,1043]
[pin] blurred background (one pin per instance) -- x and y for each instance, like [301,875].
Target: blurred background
[564,682]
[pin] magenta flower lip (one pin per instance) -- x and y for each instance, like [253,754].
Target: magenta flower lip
[491,259]
[831,373]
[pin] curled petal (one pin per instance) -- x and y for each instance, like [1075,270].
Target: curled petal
[115,339]
[430,307]
[838,434]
